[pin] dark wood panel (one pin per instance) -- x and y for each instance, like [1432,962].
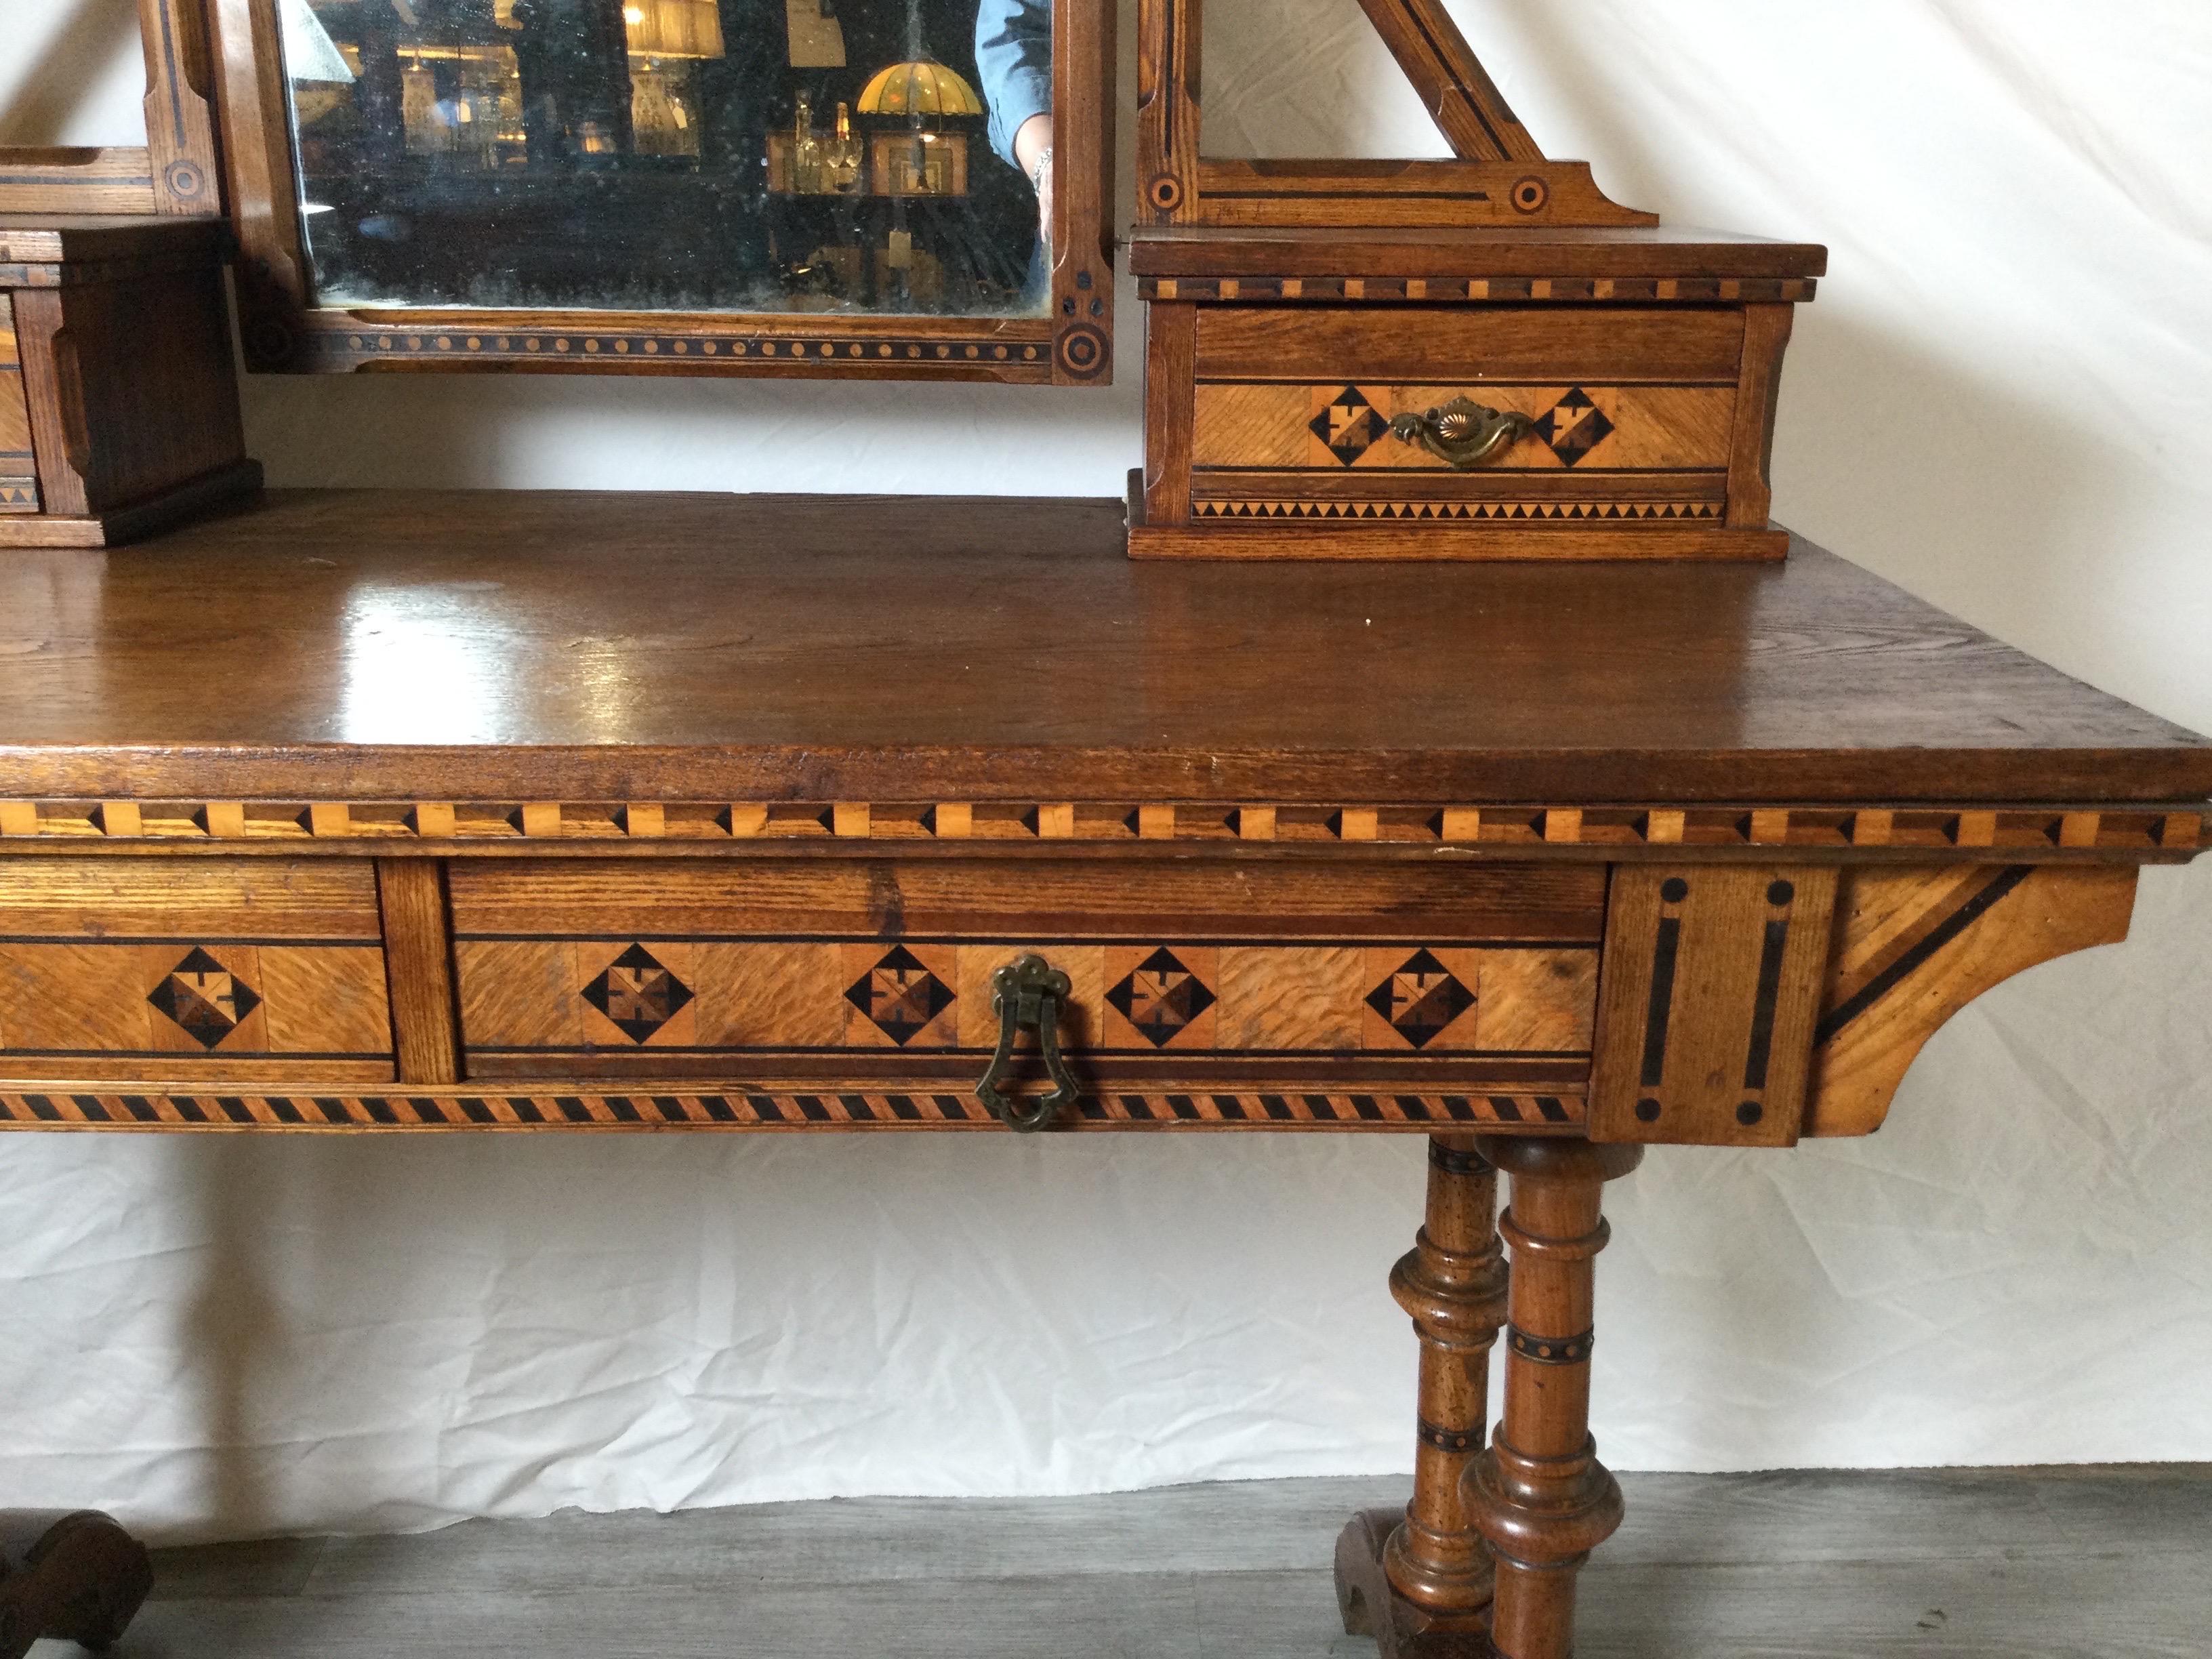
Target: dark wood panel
[696,648]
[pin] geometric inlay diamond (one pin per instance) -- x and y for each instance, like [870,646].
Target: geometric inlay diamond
[637,993]
[1348,426]
[1160,997]
[1574,427]
[900,995]
[204,998]
[1421,1000]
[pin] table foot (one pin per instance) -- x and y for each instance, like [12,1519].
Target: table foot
[1371,1605]
[74,1577]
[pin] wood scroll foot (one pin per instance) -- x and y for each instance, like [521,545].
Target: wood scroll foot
[1420,1581]
[75,1577]
[1539,1497]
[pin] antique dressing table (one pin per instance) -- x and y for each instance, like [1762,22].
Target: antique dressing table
[1462,754]
[1547,863]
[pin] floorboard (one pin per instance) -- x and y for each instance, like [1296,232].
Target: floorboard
[2041,1563]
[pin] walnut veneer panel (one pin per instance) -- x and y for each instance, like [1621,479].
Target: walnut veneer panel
[706,648]
[241,969]
[1425,977]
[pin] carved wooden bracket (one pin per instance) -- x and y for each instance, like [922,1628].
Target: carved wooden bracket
[1914,946]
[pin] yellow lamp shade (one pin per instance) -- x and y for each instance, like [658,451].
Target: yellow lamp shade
[673,28]
[920,87]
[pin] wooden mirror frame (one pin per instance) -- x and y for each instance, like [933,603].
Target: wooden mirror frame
[1496,174]
[218,140]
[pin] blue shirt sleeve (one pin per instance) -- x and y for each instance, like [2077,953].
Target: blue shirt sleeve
[1013,53]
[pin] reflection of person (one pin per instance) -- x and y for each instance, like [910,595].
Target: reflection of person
[1013,54]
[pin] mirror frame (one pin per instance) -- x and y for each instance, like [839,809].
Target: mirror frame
[1072,344]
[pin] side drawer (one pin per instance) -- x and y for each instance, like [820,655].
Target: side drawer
[875,973]
[178,969]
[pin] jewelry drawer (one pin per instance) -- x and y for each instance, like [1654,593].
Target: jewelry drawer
[180,968]
[1219,979]
[1510,414]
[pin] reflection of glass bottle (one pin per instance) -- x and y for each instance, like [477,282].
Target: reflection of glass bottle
[805,150]
[844,155]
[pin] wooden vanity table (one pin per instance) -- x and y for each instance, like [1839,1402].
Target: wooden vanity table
[362,813]
[1466,759]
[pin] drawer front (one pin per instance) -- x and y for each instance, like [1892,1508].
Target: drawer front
[876,973]
[1632,415]
[19,471]
[267,970]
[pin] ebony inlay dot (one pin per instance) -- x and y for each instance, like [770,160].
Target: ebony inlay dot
[1648,1110]
[1749,1113]
[1674,890]
[1781,893]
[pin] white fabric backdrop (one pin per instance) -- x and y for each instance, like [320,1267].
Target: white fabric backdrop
[2000,401]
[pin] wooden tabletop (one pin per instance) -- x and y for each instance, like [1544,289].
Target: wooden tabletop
[582,647]
[1469,251]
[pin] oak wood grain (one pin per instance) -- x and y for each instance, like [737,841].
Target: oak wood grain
[853,649]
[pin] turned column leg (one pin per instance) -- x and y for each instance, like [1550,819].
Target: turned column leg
[1539,1497]
[1420,1581]
[1453,1284]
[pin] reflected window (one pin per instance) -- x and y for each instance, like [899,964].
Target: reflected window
[736,155]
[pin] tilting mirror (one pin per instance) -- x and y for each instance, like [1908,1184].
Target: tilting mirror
[873,186]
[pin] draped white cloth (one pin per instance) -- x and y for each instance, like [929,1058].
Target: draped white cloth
[2000,400]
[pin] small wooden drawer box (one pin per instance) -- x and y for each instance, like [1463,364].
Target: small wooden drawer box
[1427,410]
[1313,994]
[119,398]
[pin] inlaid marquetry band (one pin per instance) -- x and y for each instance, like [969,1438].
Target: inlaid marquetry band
[1457,1441]
[1653,514]
[750,1109]
[1550,1350]
[363,346]
[2054,830]
[1766,1001]
[1429,290]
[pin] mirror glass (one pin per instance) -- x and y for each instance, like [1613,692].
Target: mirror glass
[887,156]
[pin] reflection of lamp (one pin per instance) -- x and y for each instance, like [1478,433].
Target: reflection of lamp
[921,87]
[922,159]
[674,28]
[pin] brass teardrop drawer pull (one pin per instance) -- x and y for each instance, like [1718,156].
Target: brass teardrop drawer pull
[1027,995]
[1464,432]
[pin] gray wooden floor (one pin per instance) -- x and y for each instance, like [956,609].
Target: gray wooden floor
[2105,1563]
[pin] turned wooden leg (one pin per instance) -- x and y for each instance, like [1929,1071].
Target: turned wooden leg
[75,1577]
[1539,1497]
[1420,1581]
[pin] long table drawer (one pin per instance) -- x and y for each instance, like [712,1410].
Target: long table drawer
[875,974]
[268,969]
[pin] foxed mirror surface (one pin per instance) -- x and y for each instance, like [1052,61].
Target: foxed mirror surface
[887,157]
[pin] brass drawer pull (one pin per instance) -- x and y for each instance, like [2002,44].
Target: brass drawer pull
[1464,432]
[1026,994]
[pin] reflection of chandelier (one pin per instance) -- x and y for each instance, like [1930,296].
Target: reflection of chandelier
[920,87]
[673,28]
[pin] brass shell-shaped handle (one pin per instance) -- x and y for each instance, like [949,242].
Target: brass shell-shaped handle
[1464,432]
[1027,995]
